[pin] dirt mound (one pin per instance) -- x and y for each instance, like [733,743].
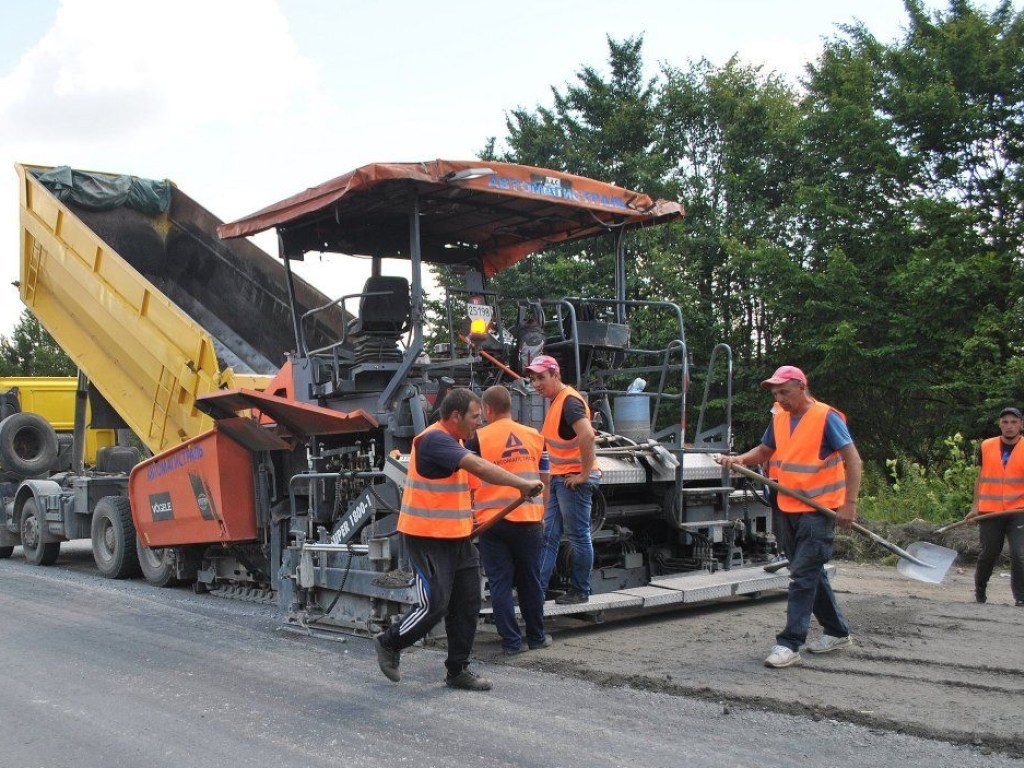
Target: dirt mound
[850,545]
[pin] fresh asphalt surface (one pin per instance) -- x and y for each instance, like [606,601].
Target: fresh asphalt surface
[106,674]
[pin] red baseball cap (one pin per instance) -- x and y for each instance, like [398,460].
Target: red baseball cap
[543,363]
[784,374]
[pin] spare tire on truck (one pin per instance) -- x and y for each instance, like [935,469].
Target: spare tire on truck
[28,445]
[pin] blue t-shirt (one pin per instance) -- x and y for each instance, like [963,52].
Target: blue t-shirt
[837,434]
[438,455]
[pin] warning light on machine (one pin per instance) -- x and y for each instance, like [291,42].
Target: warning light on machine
[480,315]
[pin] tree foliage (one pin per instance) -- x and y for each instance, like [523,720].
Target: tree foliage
[867,224]
[31,351]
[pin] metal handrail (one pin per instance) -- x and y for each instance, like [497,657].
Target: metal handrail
[344,326]
[728,390]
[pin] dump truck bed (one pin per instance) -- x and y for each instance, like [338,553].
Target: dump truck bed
[154,308]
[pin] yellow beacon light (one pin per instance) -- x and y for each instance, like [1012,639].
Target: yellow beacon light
[480,315]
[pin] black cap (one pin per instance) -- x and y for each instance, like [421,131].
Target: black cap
[1010,410]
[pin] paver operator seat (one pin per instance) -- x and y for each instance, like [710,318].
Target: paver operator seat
[384,312]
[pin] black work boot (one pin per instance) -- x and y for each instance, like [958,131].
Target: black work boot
[387,659]
[468,681]
[979,595]
[571,598]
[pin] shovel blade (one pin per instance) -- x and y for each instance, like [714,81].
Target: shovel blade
[939,559]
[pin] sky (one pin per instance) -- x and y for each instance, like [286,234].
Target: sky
[244,102]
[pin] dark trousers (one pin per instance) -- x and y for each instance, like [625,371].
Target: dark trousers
[807,539]
[778,520]
[992,533]
[448,587]
[511,555]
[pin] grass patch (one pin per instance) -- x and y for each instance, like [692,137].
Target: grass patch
[940,490]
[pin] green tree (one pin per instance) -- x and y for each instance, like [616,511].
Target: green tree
[31,351]
[911,177]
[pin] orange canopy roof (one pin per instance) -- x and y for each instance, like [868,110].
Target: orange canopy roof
[496,212]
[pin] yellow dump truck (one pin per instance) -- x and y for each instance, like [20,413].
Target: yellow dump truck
[129,277]
[53,399]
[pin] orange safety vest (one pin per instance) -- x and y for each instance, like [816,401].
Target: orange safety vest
[824,480]
[517,449]
[1000,487]
[564,454]
[774,463]
[436,508]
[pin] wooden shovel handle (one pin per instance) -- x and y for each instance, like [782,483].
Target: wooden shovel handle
[978,519]
[502,514]
[827,512]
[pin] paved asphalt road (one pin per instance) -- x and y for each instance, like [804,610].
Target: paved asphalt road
[102,674]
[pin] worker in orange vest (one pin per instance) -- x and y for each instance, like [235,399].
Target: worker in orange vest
[1000,487]
[815,455]
[511,549]
[570,440]
[436,522]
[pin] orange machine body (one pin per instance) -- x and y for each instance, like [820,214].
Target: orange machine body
[200,492]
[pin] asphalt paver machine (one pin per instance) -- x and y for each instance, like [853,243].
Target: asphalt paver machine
[293,494]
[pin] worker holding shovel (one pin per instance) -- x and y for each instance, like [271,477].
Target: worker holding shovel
[814,454]
[999,490]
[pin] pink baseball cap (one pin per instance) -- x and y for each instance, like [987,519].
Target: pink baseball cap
[784,374]
[543,363]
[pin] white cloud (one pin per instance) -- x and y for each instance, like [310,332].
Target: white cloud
[112,70]
[197,92]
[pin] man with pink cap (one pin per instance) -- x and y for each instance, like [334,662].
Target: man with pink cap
[811,451]
[569,436]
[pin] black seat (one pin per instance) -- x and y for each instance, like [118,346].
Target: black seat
[382,320]
[386,314]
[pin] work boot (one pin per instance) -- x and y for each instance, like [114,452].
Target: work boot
[828,643]
[979,595]
[387,659]
[572,598]
[781,656]
[545,643]
[468,681]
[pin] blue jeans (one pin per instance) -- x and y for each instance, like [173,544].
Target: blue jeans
[510,552]
[807,539]
[568,512]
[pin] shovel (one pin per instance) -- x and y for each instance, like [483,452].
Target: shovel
[505,512]
[921,561]
[978,519]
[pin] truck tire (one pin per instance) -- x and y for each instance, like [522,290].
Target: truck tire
[113,538]
[157,565]
[36,552]
[28,445]
[6,552]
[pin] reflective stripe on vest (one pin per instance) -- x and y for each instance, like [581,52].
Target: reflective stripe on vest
[799,467]
[516,449]
[440,508]
[564,454]
[1000,488]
